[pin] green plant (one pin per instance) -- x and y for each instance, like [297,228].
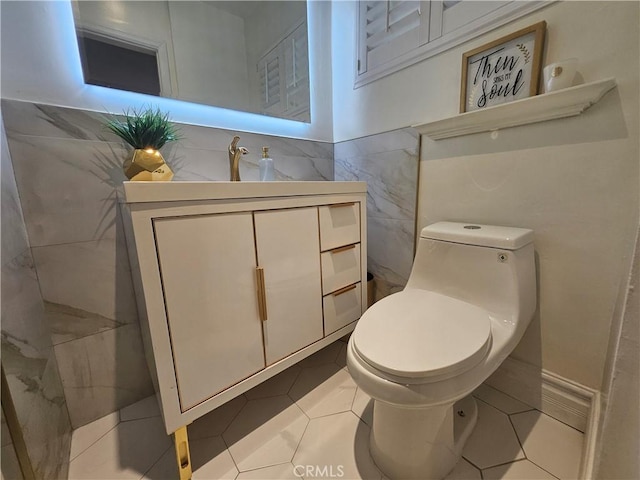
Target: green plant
[146,128]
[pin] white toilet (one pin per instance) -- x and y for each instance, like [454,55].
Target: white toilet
[421,352]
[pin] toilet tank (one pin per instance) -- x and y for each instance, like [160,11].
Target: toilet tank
[489,266]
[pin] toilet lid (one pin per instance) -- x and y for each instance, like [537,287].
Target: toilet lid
[418,333]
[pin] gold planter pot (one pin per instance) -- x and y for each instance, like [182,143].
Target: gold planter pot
[147,165]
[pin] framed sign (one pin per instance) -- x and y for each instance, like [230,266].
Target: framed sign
[504,70]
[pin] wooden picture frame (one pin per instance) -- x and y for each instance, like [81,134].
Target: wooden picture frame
[504,70]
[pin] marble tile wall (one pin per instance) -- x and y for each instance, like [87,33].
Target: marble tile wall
[28,357]
[68,171]
[9,465]
[388,162]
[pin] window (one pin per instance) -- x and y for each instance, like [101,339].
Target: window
[395,34]
[296,60]
[388,29]
[269,70]
[284,77]
[110,63]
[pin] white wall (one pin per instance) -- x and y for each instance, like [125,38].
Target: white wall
[40,63]
[210,54]
[619,441]
[574,181]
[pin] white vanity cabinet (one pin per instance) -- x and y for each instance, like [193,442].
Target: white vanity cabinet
[236,281]
[211,267]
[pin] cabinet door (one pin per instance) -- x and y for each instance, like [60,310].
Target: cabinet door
[208,267]
[288,246]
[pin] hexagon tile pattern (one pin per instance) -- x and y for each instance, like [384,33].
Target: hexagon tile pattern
[311,421]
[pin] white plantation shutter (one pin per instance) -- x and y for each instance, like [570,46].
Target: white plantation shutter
[454,15]
[393,35]
[296,56]
[284,76]
[389,28]
[269,70]
[296,61]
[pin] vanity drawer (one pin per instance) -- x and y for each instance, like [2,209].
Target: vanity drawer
[339,225]
[340,267]
[342,307]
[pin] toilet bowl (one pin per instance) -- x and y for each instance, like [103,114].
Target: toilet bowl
[421,352]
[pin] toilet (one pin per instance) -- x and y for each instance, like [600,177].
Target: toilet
[421,352]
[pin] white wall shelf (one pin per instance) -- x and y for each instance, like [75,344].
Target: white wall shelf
[549,106]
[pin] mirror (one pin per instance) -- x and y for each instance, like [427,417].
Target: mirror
[250,56]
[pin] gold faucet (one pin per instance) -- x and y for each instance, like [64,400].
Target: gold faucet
[234,158]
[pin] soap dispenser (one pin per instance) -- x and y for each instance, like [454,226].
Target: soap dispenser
[266,166]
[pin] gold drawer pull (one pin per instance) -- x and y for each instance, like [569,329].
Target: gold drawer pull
[338,205]
[262,294]
[343,249]
[344,290]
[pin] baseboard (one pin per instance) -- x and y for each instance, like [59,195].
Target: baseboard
[566,401]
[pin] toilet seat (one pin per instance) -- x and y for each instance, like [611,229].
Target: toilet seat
[422,336]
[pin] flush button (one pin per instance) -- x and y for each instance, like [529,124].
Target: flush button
[472,227]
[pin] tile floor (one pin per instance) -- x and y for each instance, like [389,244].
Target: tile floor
[311,421]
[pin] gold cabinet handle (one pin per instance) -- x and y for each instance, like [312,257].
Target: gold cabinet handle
[344,290]
[343,249]
[262,294]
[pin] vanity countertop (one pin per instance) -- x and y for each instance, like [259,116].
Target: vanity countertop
[138,192]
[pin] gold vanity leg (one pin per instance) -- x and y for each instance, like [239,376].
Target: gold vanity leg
[183,457]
